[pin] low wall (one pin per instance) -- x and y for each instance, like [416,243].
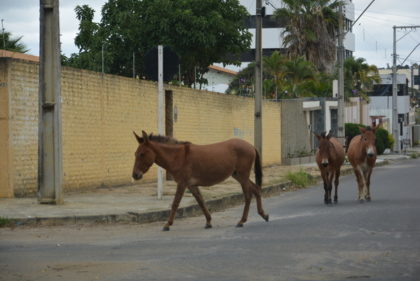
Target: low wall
[99,113]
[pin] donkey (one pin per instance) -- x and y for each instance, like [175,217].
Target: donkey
[362,156]
[329,157]
[194,165]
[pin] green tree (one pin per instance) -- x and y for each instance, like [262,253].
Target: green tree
[359,77]
[200,32]
[14,44]
[311,30]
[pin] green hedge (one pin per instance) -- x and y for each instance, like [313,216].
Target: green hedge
[383,141]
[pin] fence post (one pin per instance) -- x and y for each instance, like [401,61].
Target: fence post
[49,136]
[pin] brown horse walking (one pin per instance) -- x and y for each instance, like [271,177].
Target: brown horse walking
[329,157]
[362,156]
[201,165]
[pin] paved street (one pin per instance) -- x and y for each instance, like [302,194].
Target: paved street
[304,240]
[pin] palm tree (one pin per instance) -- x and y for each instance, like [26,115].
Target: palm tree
[311,30]
[300,78]
[12,44]
[275,66]
[359,77]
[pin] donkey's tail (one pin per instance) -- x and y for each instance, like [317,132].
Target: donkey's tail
[258,169]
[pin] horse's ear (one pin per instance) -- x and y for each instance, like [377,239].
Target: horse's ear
[317,136]
[375,127]
[145,136]
[139,139]
[362,130]
[329,134]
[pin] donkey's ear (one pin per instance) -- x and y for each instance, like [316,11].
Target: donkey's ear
[139,139]
[145,136]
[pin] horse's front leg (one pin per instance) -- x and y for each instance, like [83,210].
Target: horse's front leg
[336,182]
[330,185]
[178,195]
[324,175]
[369,173]
[360,182]
[197,195]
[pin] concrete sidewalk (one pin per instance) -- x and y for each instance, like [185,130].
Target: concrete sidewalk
[138,202]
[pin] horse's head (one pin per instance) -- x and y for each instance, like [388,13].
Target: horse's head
[324,148]
[145,156]
[368,139]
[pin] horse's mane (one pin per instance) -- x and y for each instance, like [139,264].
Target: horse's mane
[166,139]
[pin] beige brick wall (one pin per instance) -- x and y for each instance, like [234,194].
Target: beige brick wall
[207,117]
[99,114]
[23,91]
[6,157]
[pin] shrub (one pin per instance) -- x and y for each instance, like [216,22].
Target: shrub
[352,130]
[391,141]
[382,141]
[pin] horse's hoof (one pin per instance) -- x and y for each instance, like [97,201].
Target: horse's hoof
[266,217]
[335,200]
[361,201]
[368,199]
[208,226]
[166,228]
[240,224]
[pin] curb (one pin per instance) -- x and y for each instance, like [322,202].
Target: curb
[213,205]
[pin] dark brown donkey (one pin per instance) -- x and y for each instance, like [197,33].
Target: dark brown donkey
[201,165]
[362,156]
[329,157]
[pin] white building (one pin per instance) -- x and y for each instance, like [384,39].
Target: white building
[218,78]
[380,107]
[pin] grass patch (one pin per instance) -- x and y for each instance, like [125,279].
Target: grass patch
[414,155]
[301,178]
[5,222]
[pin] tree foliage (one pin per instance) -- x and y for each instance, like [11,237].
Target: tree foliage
[311,31]
[359,77]
[284,78]
[200,32]
[13,44]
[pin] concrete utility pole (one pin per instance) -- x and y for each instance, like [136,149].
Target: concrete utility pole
[161,121]
[258,80]
[50,171]
[4,39]
[340,111]
[397,146]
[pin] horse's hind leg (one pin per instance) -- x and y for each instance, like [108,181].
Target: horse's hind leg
[246,188]
[256,190]
[197,195]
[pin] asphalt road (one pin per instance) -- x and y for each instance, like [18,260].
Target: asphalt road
[304,240]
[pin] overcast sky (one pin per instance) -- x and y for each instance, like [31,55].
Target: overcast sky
[374,32]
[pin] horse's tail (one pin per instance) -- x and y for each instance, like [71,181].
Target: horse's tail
[258,169]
